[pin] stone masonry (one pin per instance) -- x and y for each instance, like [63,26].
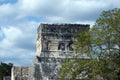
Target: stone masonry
[54,44]
[19,73]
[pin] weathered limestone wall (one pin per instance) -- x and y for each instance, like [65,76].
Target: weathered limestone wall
[19,73]
[57,39]
[54,44]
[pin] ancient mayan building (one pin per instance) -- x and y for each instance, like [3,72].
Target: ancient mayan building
[54,44]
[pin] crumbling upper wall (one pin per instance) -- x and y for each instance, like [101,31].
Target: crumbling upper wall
[66,28]
[57,39]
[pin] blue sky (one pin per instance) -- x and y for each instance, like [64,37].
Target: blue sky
[19,20]
[7,1]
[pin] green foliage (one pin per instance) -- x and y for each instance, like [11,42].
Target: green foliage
[106,34]
[71,70]
[82,42]
[102,44]
[5,69]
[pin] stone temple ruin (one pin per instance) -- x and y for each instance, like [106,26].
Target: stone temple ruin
[54,44]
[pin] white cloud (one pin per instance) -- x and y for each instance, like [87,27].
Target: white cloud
[61,8]
[1,33]
[6,10]
[18,42]
[12,33]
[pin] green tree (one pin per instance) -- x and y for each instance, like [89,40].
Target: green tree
[106,34]
[102,42]
[5,69]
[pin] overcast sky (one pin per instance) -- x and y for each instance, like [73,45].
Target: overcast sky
[19,20]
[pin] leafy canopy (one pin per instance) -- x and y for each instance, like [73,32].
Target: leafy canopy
[102,44]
